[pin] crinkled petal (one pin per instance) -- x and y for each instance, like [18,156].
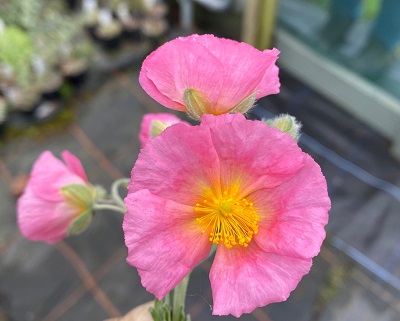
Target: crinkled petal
[270,83]
[245,69]
[74,164]
[259,155]
[164,242]
[178,65]
[293,215]
[243,279]
[151,89]
[41,220]
[48,175]
[177,165]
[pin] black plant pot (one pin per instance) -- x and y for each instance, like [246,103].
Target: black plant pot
[109,43]
[131,30]
[52,90]
[47,110]
[134,34]
[72,4]
[91,31]
[2,129]
[21,118]
[75,75]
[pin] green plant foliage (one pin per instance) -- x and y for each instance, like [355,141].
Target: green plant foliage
[22,13]
[16,50]
[82,50]
[371,9]
[54,32]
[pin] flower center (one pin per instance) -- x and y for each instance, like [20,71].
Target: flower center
[228,219]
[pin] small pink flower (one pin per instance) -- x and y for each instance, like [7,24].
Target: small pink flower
[153,124]
[57,199]
[209,75]
[233,182]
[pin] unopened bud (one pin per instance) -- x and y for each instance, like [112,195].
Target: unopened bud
[287,124]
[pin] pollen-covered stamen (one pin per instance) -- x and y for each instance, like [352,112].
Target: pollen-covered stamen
[228,219]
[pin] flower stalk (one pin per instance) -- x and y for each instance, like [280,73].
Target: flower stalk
[112,207]
[113,202]
[122,182]
[165,310]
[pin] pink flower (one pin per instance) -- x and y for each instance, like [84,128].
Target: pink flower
[234,182]
[153,124]
[57,199]
[209,75]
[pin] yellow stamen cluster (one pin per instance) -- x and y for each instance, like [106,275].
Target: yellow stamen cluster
[228,219]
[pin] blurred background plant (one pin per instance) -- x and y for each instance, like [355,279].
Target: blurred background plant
[370,7]
[16,53]
[46,45]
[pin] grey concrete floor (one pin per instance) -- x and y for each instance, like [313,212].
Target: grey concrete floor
[86,277]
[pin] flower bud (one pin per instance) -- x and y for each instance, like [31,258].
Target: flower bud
[287,124]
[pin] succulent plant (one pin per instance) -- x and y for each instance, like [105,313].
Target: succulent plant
[83,49]
[16,52]
[24,99]
[21,13]
[56,31]
[109,30]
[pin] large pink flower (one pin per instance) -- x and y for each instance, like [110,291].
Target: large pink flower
[206,74]
[154,124]
[234,182]
[57,198]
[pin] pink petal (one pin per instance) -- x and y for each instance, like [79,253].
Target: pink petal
[243,279]
[261,156]
[74,164]
[245,70]
[48,175]
[178,65]
[163,240]
[151,89]
[41,220]
[270,83]
[145,126]
[177,165]
[294,214]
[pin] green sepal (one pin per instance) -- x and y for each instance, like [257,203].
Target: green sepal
[196,104]
[80,195]
[157,127]
[81,223]
[245,105]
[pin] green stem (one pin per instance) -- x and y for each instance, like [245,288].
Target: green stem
[179,299]
[112,207]
[122,182]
